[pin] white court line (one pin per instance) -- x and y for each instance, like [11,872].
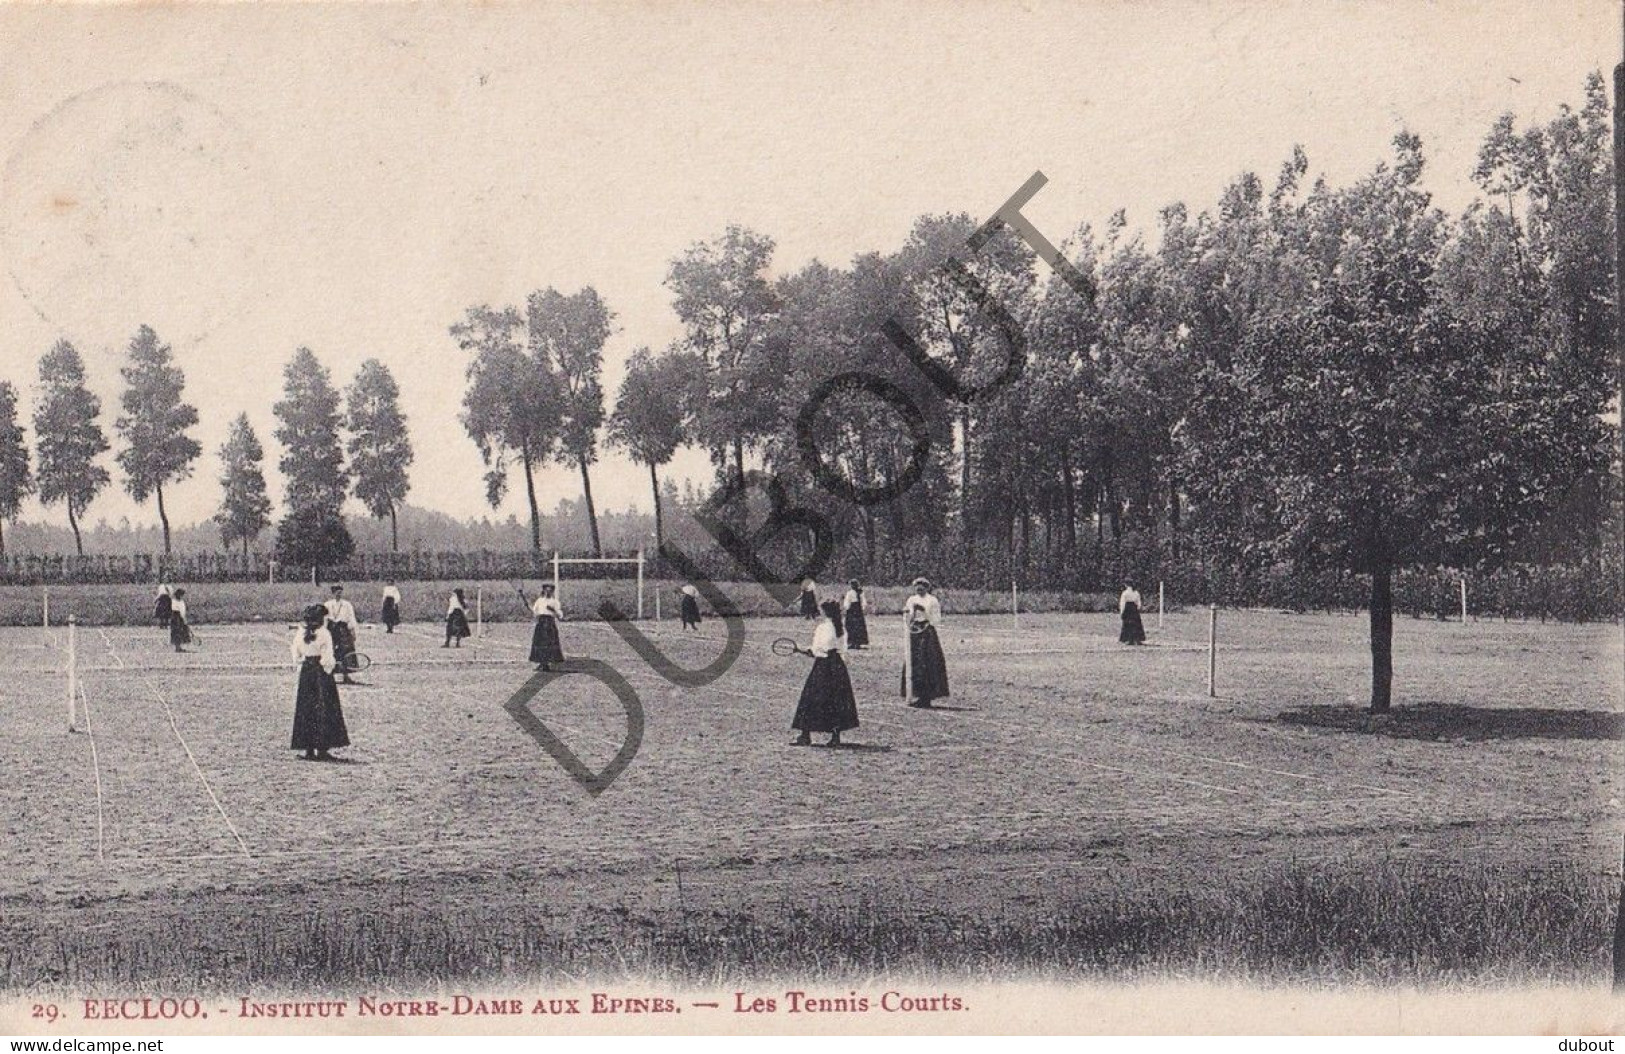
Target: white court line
[96,767]
[198,769]
[201,777]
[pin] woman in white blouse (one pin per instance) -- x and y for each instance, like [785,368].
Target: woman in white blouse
[827,703]
[391,614]
[318,720]
[456,619]
[925,675]
[545,649]
[180,630]
[1128,606]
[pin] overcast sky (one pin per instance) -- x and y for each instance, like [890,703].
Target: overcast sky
[248,181]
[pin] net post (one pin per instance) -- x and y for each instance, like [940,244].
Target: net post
[1464,600]
[556,576]
[1015,607]
[73,673]
[640,585]
[1161,603]
[1212,650]
[270,573]
[657,604]
[45,606]
[479,612]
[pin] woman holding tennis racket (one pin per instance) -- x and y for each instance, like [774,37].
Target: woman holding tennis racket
[827,703]
[318,720]
[545,648]
[180,631]
[925,669]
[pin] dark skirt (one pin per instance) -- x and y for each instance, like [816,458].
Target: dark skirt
[343,643]
[930,666]
[391,614]
[161,609]
[809,604]
[179,632]
[691,611]
[857,627]
[827,703]
[318,720]
[544,641]
[457,626]
[1133,629]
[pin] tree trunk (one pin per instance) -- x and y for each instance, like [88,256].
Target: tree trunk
[245,545]
[73,521]
[535,510]
[739,464]
[660,525]
[163,516]
[394,531]
[592,513]
[1173,516]
[1067,488]
[2,538]
[964,477]
[1382,637]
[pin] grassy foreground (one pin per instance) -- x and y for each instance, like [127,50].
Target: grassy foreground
[1375,923]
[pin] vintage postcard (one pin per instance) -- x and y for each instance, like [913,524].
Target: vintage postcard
[812,517]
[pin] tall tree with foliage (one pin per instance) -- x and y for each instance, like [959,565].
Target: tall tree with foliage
[510,407]
[1379,425]
[157,449]
[722,295]
[649,420]
[245,509]
[16,479]
[68,438]
[567,335]
[380,450]
[312,534]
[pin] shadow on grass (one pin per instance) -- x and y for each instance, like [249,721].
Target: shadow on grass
[1447,721]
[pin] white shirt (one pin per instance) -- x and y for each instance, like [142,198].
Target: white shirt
[547,606]
[320,646]
[925,609]
[391,593]
[454,604]
[178,607]
[1130,596]
[341,610]
[825,640]
[851,598]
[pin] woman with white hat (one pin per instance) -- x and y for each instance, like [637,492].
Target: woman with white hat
[925,674]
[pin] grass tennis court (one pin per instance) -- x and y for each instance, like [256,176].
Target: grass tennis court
[1071,775]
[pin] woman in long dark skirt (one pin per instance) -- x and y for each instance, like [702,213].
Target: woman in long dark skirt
[927,667]
[545,648]
[690,608]
[180,631]
[456,620]
[809,599]
[827,703]
[318,720]
[391,614]
[1128,606]
[162,606]
[857,618]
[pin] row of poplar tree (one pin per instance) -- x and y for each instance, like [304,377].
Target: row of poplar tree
[333,445]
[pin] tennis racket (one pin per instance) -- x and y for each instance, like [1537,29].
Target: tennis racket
[358,661]
[785,646]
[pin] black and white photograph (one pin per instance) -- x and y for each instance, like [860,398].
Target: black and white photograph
[815,518]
